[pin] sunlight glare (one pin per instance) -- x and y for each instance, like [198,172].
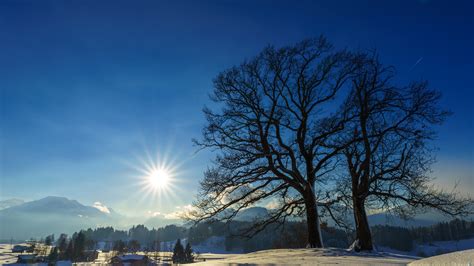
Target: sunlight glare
[159,178]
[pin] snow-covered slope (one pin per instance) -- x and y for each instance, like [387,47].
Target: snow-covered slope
[312,257]
[465,257]
[442,247]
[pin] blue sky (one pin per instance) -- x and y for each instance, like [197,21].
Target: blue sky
[88,88]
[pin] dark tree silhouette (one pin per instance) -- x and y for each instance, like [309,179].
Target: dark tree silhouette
[188,254]
[61,243]
[389,160]
[53,255]
[120,246]
[133,246]
[178,253]
[275,133]
[49,240]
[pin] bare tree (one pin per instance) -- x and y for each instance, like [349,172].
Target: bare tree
[389,160]
[274,131]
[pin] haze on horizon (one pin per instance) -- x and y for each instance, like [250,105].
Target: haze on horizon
[95,94]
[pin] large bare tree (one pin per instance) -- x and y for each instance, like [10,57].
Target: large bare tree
[389,160]
[273,128]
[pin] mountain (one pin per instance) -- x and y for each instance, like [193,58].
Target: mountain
[10,203]
[251,214]
[49,215]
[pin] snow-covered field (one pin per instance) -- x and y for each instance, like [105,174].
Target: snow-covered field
[465,257]
[325,256]
[312,257]
[6,255]
[442,247]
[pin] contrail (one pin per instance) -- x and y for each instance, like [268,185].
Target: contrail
[417,62]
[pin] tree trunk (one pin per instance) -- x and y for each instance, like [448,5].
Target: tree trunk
[312,218]
[363,235]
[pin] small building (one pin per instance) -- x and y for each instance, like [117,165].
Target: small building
[19,248]
[132,259]
[26,259]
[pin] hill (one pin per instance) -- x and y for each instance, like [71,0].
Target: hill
[51,215]
[4,204]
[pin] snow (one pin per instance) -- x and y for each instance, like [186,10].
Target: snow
[465,257]
[442,247]
[313,257]
[435,248]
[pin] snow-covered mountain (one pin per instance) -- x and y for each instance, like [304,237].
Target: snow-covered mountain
[10,203]
[52,215]
[251,214]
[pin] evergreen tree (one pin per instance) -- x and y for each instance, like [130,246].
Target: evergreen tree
[69,252]
[54,255]
[61,243]
[178,252]
[120,247]
[188,254]
[79,246]
[49,240]
[133,246]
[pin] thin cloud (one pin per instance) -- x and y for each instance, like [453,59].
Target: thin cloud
[101,207]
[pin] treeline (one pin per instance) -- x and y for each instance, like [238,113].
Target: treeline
[291,234]
[137,235]
[73,248]
[288,235]
[403,239]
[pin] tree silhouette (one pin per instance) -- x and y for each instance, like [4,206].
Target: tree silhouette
[133,246]
[120,247]
[188,254]
[274,139]
[61,243]
[53,255]
[178,252]
[389,160]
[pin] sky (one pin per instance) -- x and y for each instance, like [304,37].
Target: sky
[93,90]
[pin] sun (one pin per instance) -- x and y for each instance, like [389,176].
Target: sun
[159,178]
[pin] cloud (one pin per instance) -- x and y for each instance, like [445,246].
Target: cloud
[101,207]
[181,211]
[272,204]
[154,214]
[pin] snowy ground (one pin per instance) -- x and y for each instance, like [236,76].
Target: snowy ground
[312,257]
[326,256]
[442,247]
[465,257]
[6,255]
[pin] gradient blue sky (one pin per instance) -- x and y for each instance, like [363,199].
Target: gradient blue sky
[88,88]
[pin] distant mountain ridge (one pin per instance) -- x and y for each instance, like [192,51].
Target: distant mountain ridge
[4,204]
[22,220]
[52,214]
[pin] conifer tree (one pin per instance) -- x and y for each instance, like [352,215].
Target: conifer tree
[178,252]
[188,254]
[54,255]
